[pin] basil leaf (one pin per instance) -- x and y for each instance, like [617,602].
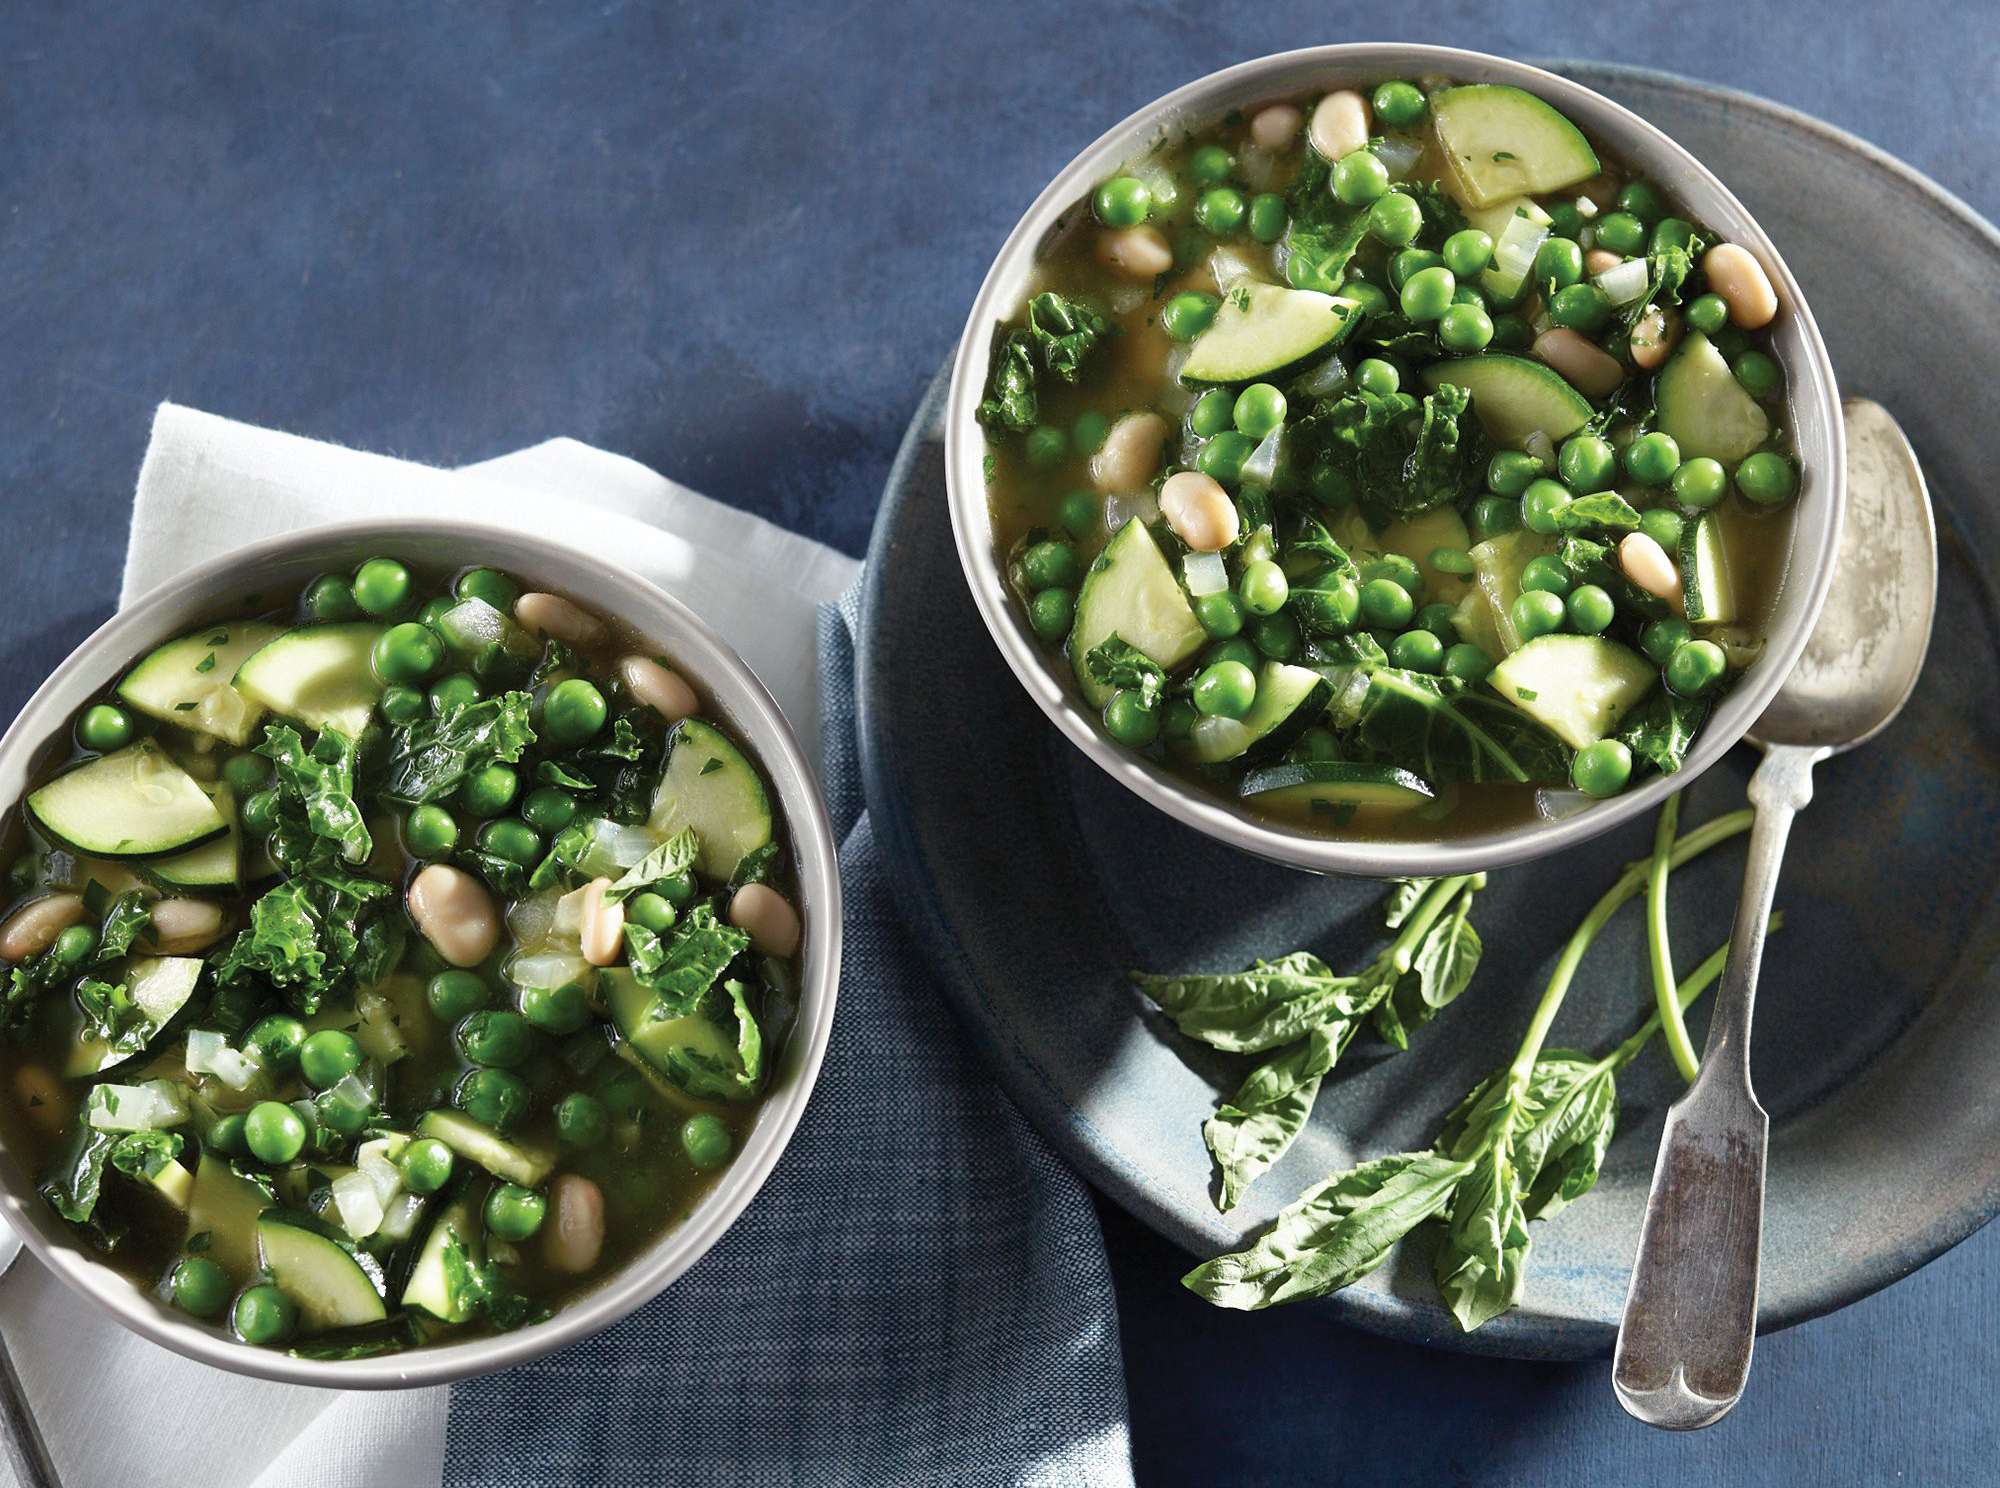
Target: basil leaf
[1247,1012]
[675,855]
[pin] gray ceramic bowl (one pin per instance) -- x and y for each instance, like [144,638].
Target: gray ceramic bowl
[1814,413]
[287,563]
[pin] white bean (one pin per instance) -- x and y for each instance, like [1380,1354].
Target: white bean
[1646,564]
[1199,511]
[1129,455]
[767,917]
[1275,127]
[1339,124]
[181,926]
[1744,286]
[1598,260]
[658,688]
[575,1233]
[1136,252]
[601,927]
[1589,369]
[455,914]
[1654,335]
[552,615]
[33,927]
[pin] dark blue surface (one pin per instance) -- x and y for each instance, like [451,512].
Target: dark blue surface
[735,242]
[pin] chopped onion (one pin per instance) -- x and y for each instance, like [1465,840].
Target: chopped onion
[1586,208]
[208,1053]
[1260,545]
[1220,738]
[1118,510]
[1177,399]
[1206,574]
[614,847]
[1623,282]
[472,625]
[153,1106]
[1554,805]
[1154,175]
[1229,268]
[1541,447]
[1587,239]
[1261,467]
[399,1216]
[359,1206]
[350,1092]
[1125,299]
[373,1160]
[1398,156]
[1255,167]
[531,919]
[548,969]
[1329,377]
[1514,253]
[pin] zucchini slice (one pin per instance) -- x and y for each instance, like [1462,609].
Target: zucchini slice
[1707,589]
[1503,142]
[317,674]
[214,865]
[160,988]
[516,1162]
[709,784]
[1289,699]
[134,803]
[1514,397]
[224,1207]
[1131,592]
[187,681]
[430,1287]
[327,1283]
[1266,330]
[693,1054]
[1577,687]
[1497,566]
[1323,787]
[1702,405]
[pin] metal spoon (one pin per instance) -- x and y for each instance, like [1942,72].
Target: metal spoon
[26,1452]
[1691,1315]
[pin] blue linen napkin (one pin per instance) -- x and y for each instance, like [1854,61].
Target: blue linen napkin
[918,1295]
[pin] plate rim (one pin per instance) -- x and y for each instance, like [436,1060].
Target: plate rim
[1530,1335]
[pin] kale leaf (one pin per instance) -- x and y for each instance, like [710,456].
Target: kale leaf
[1396,457]
[1114,662]
[315,796]
[1059,335]
[684,963]
[1662,730]
[315,932]
[430,756]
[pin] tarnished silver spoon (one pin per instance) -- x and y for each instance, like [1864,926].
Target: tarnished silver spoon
[1691,1315]
[26,1452]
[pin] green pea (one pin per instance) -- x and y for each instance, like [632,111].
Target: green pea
[1129,720]
[227,1135]
[1050,612]
[1223,456]
[1212,414]
[1396,567]
[1360,178]
[1558,262]
[1465,328]
[381,586]
[1587,463]
[1601,768]
[1050,565]
[1047,447]
[1411,262]
[1449,560]
[1259,410]
[1621,233]
[1732,342]
[1758,374]
[330,597]
[493,1097]
[340,1118]
[259,813]
[1368,298]
[1210,164]
[1277,636]
[1427,294]
[1418,651]
[490,585]
[1468,251]
[1220,210]
[198,1286]
[1268,217]
[1536,612]
[429,832]
[104,728]
[676,888]
[1700,482]
[264,1315]
[454,994]
[1440,619]
[1566,220]
[581,1120]
[449,694]
[1670,232]
[1695,667]
[1237,648]
[1493,515]
[706,1141]
[1225,689]
[1511,333]
[406,653]
[1511,472]
[490,790]
[1178,719]
[1122,201]
[1373,375]
[1263,587]
[1467,662]
[1663,526]
[1642,199]
[515,1213]
[434,610]
[1661,638]
[1086,435]
[1077,512]
[74,946]
[1542,505]
[1767,479]
[1652,459]
[246,773]
[1337,599]
[1549,575]
[495,1037]
[426,1165]
[1398,104]
[1220,614]
[1395,219]
[513,840]
[1188,314]
[1707,313]
[276,1038]
[1582,308]
[1386,604]
[1591,610]
[275,1132]
[327,1057]
[401,705]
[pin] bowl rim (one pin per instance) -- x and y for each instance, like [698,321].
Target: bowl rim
[742,699]
[1815,536]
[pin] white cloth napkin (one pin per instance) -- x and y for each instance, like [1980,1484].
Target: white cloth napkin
[114,1407]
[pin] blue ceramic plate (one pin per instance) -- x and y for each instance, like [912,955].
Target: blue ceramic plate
[1034,882]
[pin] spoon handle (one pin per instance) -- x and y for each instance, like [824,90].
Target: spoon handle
[1691,1315]
[27,1453]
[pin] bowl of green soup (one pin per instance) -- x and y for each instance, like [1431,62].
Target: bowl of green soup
[419,944]
[1394,460]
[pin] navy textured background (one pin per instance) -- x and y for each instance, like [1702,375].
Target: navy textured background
[735,241]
